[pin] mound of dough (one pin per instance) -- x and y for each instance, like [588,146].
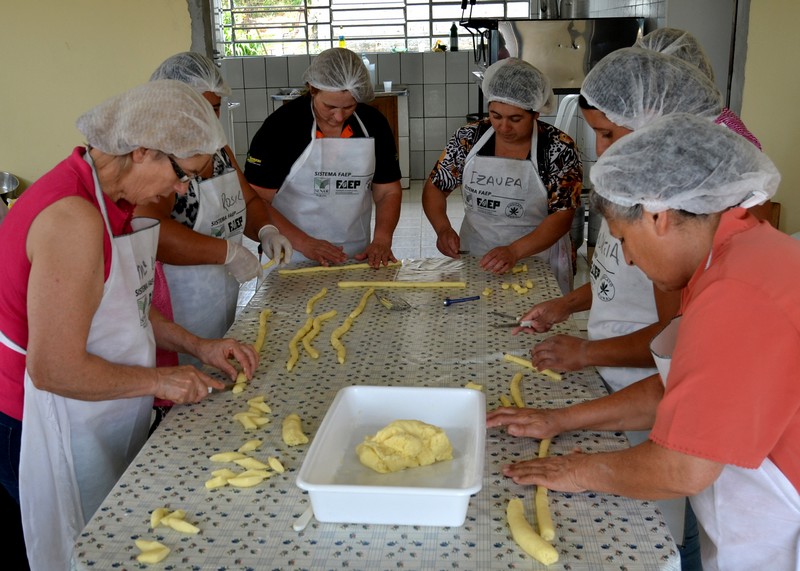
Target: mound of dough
[404,444]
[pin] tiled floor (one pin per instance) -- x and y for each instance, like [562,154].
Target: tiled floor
[414,238]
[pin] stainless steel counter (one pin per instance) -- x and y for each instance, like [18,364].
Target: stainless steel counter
[427,345]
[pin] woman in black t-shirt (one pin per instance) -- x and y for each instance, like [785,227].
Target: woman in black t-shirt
[322,160]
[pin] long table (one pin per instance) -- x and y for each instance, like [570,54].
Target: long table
[428,345]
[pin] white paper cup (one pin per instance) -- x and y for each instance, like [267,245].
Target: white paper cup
[387,86]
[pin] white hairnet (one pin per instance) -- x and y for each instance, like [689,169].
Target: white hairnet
[164,115]
[339,69]
[684,162]
[195,70]
[679,44]
[516,82]
[633,86]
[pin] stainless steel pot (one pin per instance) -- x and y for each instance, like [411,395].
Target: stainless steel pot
[8,183]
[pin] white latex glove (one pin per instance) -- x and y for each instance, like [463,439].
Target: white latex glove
[241,262]
[274,244]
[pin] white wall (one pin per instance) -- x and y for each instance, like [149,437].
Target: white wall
[770,100]
[712,23]
[61,57]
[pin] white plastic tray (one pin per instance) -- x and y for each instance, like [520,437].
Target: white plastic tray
[345,491]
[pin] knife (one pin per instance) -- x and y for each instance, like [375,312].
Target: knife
[523,323]
[227,387]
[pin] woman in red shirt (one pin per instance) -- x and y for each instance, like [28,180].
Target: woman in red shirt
[78,334]
[724,414]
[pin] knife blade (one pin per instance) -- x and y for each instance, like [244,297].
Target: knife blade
[523,323]
[226,388]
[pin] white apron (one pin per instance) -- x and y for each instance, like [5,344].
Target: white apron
[327,193]
[73,451]
[204,296]
[622,302]
[504,199]
[749,519]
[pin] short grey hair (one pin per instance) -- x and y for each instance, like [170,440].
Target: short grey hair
[614,211]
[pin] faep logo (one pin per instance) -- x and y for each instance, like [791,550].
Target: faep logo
[487,203]
[348,184]
[235,224]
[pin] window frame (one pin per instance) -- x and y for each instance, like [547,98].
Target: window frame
[355,20]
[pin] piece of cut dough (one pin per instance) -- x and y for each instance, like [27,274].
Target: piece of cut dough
[516,393]
[250,463]
[151,551]
[226,456]
[276,465]
[292,431]
[245,481]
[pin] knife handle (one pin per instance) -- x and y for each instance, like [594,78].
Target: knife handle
[448,301]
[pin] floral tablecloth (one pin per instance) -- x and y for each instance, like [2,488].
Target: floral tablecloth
[426,344]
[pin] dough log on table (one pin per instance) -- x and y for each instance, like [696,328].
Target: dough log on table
[403,284]
[336,336]
[522,532]
[526,363]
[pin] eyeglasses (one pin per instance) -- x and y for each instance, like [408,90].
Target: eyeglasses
[183,178]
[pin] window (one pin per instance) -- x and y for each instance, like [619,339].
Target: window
[290,27]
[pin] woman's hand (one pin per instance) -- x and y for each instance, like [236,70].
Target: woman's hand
[448,242]
[530,422]
[274,244]
[558,473]
[322,251]
[544,315]
[498,260]
[560,353]
[184,384]
[218,352]
[377,254]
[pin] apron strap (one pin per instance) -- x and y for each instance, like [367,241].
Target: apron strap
[479,145]
[10,344]
[99,194]
[363,128]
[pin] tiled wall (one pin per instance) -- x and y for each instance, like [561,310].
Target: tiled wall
[652,10]
[442,91]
